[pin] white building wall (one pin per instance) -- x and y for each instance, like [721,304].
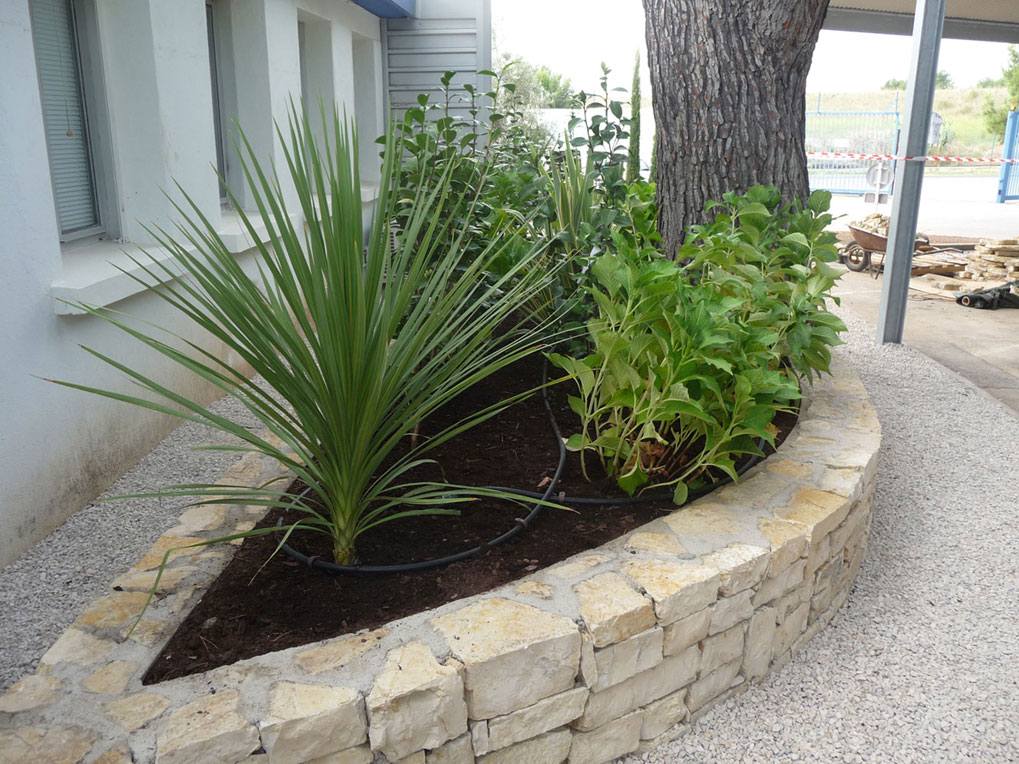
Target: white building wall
[60,448]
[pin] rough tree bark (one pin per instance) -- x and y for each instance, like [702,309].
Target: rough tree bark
[728,80]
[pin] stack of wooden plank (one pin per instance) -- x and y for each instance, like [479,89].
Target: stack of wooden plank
[993,260]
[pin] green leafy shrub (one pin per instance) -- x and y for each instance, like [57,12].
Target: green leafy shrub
[774,258]
[686,365]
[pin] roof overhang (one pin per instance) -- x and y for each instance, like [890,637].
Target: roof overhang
[389,9]
[987,20]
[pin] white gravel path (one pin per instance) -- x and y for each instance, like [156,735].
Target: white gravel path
[42,592]
[922,663]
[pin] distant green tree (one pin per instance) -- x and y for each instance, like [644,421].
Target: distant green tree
[990,82]
[633,150]
[894,84]
[943,80]
[652,174]
[556,90]
[995,114]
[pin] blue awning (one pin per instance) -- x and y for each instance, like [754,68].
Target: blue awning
[389,9]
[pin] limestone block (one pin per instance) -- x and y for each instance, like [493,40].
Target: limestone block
[362,754]
[28,692]
[758,490]
[844,482]
[337,652]
[714,684]
[827,573]
[207,731]
[608,742]
[787,603]
[479,736]
[657,543]
[821,601]
[677,589]
[790,468]
[631,656]
[662,715]
[307,721]
[415,704]
[111,678]
[55,745]
[577,566]
[588,664]
[760,643]
[513,654]
[550,748]
[739,565]
[818,554]
[699,519]
[204,517]
[418,757]
[729,611]
[138,709]
[177,546]
[612,610]
[75,646]
[118,754]
[457,751]
[668,676]
[144,632]
[849,529]
[722,648]
[144,580]
[791,628]
[777,585]
[686,631]
[788,541]
[538,589]
[820,511]
[545,715]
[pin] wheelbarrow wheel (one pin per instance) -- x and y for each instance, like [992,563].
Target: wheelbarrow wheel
[857,258]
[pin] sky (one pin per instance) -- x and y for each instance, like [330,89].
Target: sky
[574,36]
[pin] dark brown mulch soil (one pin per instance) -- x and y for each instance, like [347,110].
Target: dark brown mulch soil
[246,613]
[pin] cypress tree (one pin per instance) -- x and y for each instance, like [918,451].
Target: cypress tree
[633,153]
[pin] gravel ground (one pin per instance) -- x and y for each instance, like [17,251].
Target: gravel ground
[42,592]
[922,663]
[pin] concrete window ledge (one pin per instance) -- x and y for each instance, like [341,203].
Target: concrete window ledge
[613,650]
[99,273]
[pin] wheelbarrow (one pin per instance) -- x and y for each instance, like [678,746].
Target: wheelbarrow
[867,250]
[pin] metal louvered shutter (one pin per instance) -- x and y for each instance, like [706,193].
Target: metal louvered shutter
[452,36]
[63,107]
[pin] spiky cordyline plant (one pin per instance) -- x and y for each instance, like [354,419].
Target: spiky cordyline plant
[353,349]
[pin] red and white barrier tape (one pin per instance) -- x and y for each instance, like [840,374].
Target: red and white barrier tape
[983,160]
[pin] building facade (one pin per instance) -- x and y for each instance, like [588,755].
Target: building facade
[106,105]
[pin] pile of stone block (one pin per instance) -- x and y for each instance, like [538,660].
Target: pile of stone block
[993,260]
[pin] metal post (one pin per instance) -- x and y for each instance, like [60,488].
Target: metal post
[927,25]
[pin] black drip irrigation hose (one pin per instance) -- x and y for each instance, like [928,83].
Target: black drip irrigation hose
[522,523]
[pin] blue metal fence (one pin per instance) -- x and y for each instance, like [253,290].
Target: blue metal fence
[848,132]
[1008,182]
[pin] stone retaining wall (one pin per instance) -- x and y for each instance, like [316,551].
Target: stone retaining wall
[610,651]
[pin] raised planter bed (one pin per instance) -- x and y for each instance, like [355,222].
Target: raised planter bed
[611,650]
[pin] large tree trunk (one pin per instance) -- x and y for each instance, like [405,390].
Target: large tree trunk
[728,79]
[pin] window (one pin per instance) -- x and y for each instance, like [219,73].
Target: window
[217,106]
[67,67]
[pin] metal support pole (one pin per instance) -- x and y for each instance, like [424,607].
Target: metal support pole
[927,26]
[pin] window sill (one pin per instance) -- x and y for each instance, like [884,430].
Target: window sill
[100,273]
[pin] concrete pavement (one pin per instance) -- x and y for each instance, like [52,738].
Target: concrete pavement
[980,345]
